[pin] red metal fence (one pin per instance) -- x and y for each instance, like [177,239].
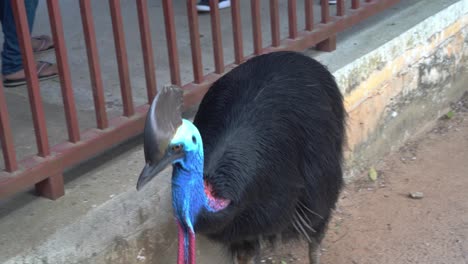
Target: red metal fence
[44,170]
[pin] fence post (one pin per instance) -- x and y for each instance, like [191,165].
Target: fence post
[6,138]
[30,70]
[237,32]
[168,12]
[147,49]
[195,45]
[122,59]
[256,26]
[328,44]
[51,187]
[64,71]
[93,64]
[216,37]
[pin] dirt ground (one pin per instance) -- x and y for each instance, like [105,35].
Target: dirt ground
[377,222]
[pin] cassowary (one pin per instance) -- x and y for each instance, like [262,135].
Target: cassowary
[262,158]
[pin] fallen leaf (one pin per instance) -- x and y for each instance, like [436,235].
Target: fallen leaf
[449,115]
[372,174]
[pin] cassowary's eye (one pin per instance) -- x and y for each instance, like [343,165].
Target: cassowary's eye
[194,140]
[177,148]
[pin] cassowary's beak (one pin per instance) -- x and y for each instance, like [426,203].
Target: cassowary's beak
[152,169]
[162,121]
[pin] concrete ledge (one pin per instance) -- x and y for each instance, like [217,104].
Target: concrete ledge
[399,87]
[102,219]
[391,92]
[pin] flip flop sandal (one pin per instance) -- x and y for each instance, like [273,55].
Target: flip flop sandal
[45,41]
[10,83]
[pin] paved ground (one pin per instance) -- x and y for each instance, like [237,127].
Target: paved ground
[376,222]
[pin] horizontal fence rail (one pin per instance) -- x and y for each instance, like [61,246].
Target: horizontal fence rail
[44,170]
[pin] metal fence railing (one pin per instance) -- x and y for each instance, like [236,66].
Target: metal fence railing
[44,169]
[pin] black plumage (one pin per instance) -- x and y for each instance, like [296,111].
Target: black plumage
[273,133]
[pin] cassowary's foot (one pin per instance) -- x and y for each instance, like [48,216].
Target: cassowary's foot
[247,252]
[251,257]
[314,252]
[245,260]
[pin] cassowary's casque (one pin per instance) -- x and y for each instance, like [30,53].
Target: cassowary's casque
[262,157]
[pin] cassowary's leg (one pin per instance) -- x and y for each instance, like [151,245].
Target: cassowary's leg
[314,251]
[314,244]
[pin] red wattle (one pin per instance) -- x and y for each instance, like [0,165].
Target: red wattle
[215,203]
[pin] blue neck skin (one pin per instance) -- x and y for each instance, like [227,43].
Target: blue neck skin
[188,194]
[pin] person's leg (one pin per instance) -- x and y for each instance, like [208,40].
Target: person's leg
[12,66]
[11,54]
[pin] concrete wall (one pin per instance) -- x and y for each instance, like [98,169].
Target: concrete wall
[394,91]
[391,93]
